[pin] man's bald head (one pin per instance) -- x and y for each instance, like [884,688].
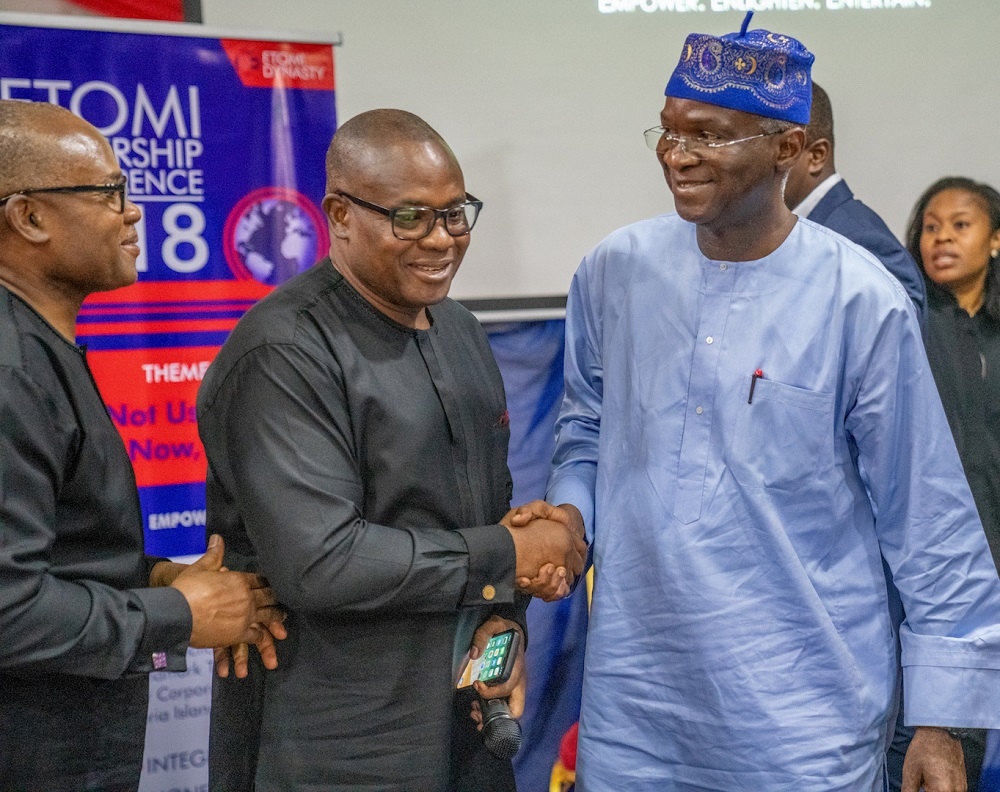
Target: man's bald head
[30,154]
[358,150]
[65,231]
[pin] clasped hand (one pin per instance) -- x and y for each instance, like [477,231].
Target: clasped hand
[550,548]
[229,610]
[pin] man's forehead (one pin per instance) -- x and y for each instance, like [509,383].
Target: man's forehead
[417,194]
[413,173]
[427,154]
[80,143]
[84,149]
[691,110]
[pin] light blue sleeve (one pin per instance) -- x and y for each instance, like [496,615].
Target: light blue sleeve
[930,535]
[574,466]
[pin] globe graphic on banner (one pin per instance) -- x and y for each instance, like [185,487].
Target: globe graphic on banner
[274,234]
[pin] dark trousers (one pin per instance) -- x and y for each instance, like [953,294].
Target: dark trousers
[234,741]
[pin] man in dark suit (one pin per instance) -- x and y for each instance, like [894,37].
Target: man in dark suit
[816,191]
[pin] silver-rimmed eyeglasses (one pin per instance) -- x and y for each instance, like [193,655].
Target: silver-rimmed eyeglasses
[660,140]
[115,192]
[416,222]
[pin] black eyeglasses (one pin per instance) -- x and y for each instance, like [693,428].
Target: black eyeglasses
[416,222]
[116,189]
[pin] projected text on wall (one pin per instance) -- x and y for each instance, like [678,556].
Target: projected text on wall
[719,6]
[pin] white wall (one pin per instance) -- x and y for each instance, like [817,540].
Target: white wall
[544,102]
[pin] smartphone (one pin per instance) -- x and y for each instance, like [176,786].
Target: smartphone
[495,664]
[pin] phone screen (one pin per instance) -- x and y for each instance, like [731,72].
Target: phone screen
[495,663]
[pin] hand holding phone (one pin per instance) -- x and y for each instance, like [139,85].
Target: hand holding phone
[495,664]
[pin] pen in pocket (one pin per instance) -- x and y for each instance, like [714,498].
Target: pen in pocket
[758,374]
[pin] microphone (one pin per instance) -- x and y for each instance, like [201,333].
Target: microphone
[501,733]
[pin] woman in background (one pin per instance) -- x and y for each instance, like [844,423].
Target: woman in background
[954,235]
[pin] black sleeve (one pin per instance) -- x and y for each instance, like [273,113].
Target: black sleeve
[279,440]
[50,623]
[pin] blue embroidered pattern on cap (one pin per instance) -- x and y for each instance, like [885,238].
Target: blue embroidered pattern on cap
[755,71]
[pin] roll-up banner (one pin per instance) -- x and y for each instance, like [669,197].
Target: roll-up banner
[222,139]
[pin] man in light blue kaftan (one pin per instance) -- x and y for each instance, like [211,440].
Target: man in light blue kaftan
[734,379]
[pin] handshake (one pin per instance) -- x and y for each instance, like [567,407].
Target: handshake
[549,546]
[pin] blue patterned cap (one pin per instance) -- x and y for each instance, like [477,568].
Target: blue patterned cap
[754,71]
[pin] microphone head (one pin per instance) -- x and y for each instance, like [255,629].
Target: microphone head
[501,733]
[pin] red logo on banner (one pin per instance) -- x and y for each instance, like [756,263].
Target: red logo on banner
[281,64]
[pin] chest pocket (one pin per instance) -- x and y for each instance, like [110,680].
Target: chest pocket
[782,438]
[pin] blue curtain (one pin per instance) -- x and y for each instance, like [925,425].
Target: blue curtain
[530,356]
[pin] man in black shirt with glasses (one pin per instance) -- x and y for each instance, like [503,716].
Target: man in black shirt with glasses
[356,430]
[84,614]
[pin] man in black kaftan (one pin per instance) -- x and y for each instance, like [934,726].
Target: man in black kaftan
[356,429]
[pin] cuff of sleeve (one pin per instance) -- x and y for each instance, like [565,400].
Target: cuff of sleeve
[951,697]
[578,491]
[950,682]
[491,566]
[166,633]
[152,561]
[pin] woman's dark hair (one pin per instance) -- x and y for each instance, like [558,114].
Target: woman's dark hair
[990,199]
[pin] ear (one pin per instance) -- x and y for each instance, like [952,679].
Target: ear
[995,244]
[335,208]
[819,151]
[27,218]
[791,142]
